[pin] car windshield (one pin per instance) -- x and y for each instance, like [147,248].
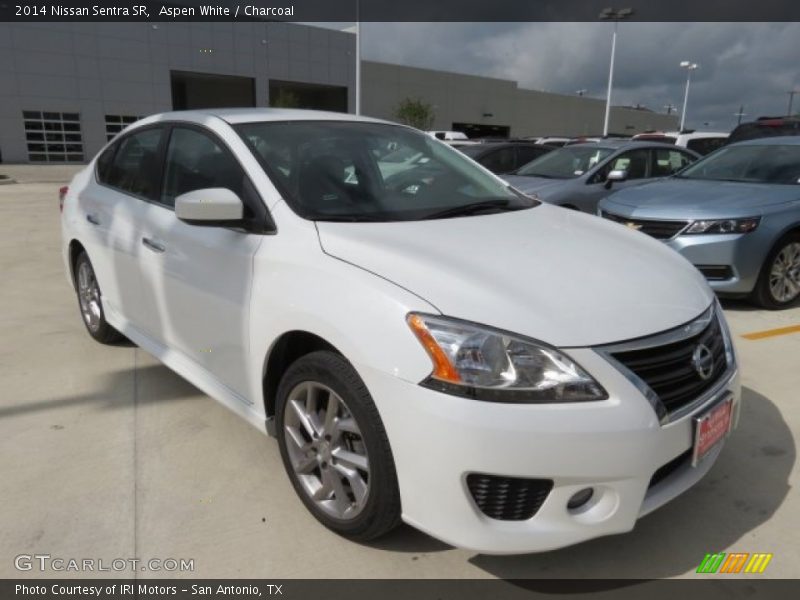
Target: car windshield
[355,171]
[566,163]
[472,150]
[750,164]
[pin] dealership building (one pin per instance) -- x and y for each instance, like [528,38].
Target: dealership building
[66,88]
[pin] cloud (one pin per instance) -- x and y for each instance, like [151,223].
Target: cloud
[750,64]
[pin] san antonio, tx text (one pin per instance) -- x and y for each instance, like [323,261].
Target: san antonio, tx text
[143,589]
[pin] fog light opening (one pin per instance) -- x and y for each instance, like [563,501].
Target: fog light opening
[580,498]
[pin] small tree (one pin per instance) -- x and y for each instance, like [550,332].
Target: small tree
[415,112]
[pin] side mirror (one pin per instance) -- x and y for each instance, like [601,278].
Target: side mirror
[615,175]
[211,207]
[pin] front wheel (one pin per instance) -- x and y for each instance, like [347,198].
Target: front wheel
[335,449]
[91,302]
[779,283]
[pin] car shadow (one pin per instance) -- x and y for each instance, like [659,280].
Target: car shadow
[743,490]
[120,389]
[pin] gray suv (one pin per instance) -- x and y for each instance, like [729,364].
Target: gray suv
[735,215]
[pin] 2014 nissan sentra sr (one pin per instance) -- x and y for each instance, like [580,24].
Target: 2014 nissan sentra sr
[426,343]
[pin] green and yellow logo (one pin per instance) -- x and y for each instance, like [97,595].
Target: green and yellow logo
[735,562]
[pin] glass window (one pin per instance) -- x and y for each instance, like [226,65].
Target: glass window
[196,161]
[366,171]
[667,162]
[526,154]
[135,166]
[502,160]
[750,163]
[634,162]
[706,145]
[567,162]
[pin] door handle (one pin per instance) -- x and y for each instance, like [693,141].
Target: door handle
[93,219]
[151,245]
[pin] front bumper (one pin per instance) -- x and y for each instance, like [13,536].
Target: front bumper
[614,446]
[744,253]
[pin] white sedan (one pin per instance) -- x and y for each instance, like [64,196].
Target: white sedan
[426,343]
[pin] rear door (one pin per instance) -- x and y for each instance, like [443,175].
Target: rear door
[197,279]
[112,208]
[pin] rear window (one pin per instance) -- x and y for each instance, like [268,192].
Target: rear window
[762,129]
[705,146]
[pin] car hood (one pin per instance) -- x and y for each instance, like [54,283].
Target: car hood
[563,277]
[676,198]
[541,186]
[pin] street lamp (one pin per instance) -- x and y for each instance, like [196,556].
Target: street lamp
[611,14]
[689,66]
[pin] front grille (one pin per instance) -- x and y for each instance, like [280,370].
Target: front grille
[716,272]
[662,230]
[668,469]
[508,498]
[669,370]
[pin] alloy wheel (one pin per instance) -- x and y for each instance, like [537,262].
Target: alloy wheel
[326,450]
[89,296]
[784,276]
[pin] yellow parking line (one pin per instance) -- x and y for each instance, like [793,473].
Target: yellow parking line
[760,335]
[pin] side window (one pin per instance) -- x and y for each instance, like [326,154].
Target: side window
[499,161]
[135,165]
[104,163]
[705,146]
[196,161]
[526,154]
[667,161]
[633,161]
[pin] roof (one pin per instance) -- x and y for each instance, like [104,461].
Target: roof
[249,115]
[781,140]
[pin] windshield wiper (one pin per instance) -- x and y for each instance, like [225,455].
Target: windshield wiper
[471,209]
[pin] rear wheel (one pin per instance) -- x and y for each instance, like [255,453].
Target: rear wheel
[335,449]
[779,283]
[90,301]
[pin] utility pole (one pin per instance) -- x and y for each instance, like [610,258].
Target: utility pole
[740,114]
[689,66]
[670,107]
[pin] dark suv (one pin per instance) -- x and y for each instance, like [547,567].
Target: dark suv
[765,127]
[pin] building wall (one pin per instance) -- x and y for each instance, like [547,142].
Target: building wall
[124,68]
[470,99]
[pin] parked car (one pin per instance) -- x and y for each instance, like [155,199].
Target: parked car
[735,215]
[702,142]
[449,136]
[578,176]
[505,157]
[765,127]
[418,342]
[550,140]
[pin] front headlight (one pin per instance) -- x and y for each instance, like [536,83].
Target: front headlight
[478,362]
[725,225]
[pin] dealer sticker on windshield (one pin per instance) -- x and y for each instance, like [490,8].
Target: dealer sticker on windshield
[711,428]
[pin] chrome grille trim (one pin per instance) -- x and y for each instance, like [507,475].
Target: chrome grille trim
[678,334]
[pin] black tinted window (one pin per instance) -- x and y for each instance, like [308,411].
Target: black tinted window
[501,160]
[196,161]
[706,145]
[135,165]
[104,163]
[526,154]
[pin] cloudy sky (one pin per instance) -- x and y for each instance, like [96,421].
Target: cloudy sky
[750,64]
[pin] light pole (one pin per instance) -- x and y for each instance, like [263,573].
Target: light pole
[791,101]
[740,114]
[611,14]
[689,66]
[358,57]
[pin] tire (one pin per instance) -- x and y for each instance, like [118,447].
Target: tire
[784,259]
[366,502]
[90,303]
